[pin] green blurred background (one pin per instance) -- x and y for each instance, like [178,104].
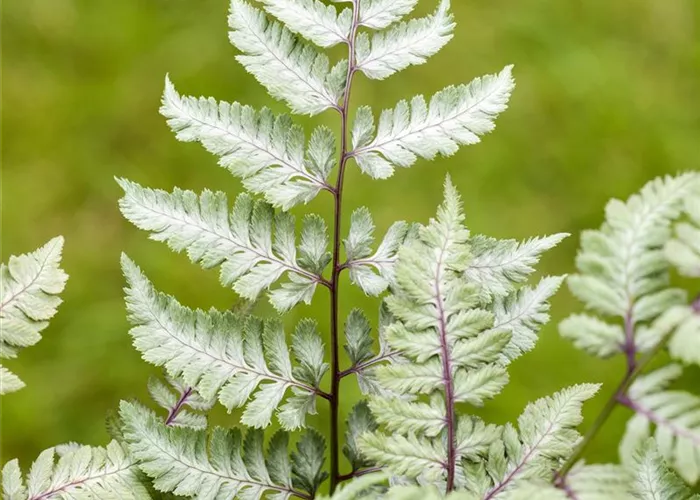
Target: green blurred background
[607,98]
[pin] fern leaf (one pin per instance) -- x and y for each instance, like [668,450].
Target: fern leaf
[291,70]
[241,242]
[522,314]
[623,263]
[220,353]
[673,413]
[263,149]
[313,20]
[406,455]
[181,461]
[652,478]
[593,335]
[683,251]
[408,43]
[455,116]
[499,264]
[547,435]
[29,288]
[373,273]
[378,14]
[83,473]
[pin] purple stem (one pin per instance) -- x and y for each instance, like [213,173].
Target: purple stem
[175,410]
[447,381]
[637,407]
[359,473]
[337,268]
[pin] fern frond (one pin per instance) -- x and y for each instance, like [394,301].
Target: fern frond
[84,473]
[291,70]
[497,265]
[623,262]
[29,288]
[378,14]
[408,43]
[241,242]
[312,19]
[443,333]
[219,467]
[546,436]
[683,251]
[220,353]
[265,150]
[455,116]
[373,273]
[652,478]
[675,416]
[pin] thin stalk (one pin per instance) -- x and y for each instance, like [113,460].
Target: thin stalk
[337,267]
[175,410]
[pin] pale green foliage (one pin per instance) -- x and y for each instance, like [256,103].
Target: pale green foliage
[378,14]
[545,437]
[674,414]
[29,288]
[373,272]
[290,69]
[405,44]
[455,116]
[82,473]
[623,272]
[360,421]
[653,480]
[265,150]
[600,482]
[185,407]
[683,251]
[312,19]
[224,354]
[451,342]
[497,264]
[179,460]
[241,241]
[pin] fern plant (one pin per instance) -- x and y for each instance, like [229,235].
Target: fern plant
[624,281]
[453,309]
[29,288]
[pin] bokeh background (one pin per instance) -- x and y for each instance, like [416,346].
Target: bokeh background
[607,98]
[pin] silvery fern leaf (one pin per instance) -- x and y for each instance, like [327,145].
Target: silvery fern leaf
[599,482]
[441,330]
[263,149]
[455,116]
[185,407]
[373,273]
[593,335]
[220,466]
[84,473]
[290,69]
[522,314]
[674,414]
[241,241]
[224,354]
[652,478]
[622,264]
[312,19]
[29,288]
[378,14]
[497,265]
[408,43]
[360,488]
[683,251]
[546,436]
[678,328]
